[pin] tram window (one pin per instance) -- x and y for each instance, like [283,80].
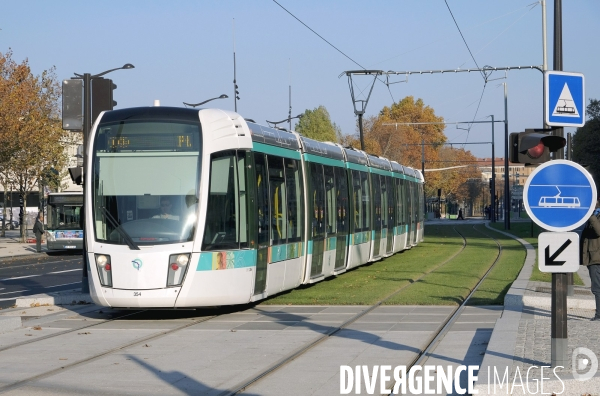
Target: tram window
[293,183]
[262,198]
[366,201]
[317,195]
[222,212]
[377,199]
[278,201]
[390,201]
[331,197]
[242,204]
[399,202]
[341,182]
[356,198]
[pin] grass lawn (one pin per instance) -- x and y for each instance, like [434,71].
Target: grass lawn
[523,230]
[452,283]
[370,283]
[448,285]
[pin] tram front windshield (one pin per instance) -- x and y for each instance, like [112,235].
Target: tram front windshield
[145,182]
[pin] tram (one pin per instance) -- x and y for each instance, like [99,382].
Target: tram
[192,208]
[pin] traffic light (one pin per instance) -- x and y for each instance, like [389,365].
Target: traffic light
[76,174]
[533,146]
[102,96]
[72,104]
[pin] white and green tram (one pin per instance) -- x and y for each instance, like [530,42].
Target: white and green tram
[252,210]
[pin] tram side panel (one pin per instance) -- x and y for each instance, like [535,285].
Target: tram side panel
[327,208]
[360,219]
[225,269]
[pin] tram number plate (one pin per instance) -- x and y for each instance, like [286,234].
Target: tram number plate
[137,294]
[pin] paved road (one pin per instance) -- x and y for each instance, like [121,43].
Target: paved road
[38,274]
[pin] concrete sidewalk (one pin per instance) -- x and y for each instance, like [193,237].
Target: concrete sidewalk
[521,341]
[11,247]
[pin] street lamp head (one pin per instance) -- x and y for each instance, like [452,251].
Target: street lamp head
[128,66]
[223,96]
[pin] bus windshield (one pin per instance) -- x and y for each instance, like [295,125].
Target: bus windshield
[64,211]
[145,176]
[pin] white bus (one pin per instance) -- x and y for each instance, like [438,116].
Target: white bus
[63,223]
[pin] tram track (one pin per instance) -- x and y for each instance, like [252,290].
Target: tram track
[139,341]
[249,382]
[439,335]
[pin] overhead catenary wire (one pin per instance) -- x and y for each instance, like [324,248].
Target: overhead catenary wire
[463,37]
[333,46]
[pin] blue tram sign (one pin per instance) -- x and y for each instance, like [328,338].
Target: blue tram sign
[565,98]
[559,195]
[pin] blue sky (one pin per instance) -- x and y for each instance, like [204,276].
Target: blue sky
[183,52]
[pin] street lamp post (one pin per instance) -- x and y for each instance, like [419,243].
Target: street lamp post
[87,115]
[206,101]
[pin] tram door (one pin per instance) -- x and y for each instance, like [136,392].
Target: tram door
[263,216]
[317,216]
[377,209]
[391,219]
[341,183]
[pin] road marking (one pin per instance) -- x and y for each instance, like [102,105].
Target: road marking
[60,272]
[19,277]
[65,284]
[18,291]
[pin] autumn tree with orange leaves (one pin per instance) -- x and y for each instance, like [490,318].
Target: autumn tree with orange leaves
[397,134]
[30,127]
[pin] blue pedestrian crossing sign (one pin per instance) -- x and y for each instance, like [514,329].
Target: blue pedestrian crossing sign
[565,98]
[560,195]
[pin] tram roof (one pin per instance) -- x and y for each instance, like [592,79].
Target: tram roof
[356,156]
[379,162]
[322,149]
[150,113]
[273,137]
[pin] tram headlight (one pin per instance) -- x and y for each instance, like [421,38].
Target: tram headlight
[104,269]
[178,264]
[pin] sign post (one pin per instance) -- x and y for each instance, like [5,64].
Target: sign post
[559,196]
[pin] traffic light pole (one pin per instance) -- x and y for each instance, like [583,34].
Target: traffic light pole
[87,121]
[87,113]
[558,328]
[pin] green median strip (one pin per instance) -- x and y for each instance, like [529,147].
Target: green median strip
[453,282]
[493,289]
[370,283]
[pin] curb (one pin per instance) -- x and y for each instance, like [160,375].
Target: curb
[572,303]
[9,323]
[44,299]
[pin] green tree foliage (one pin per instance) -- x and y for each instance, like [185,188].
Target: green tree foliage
[31,133]
[586,141]
[316,124]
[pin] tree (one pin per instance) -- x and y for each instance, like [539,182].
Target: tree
[586,141]
[30,127]
[316,124]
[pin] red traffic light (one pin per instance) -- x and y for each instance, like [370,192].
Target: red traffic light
[536,151]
